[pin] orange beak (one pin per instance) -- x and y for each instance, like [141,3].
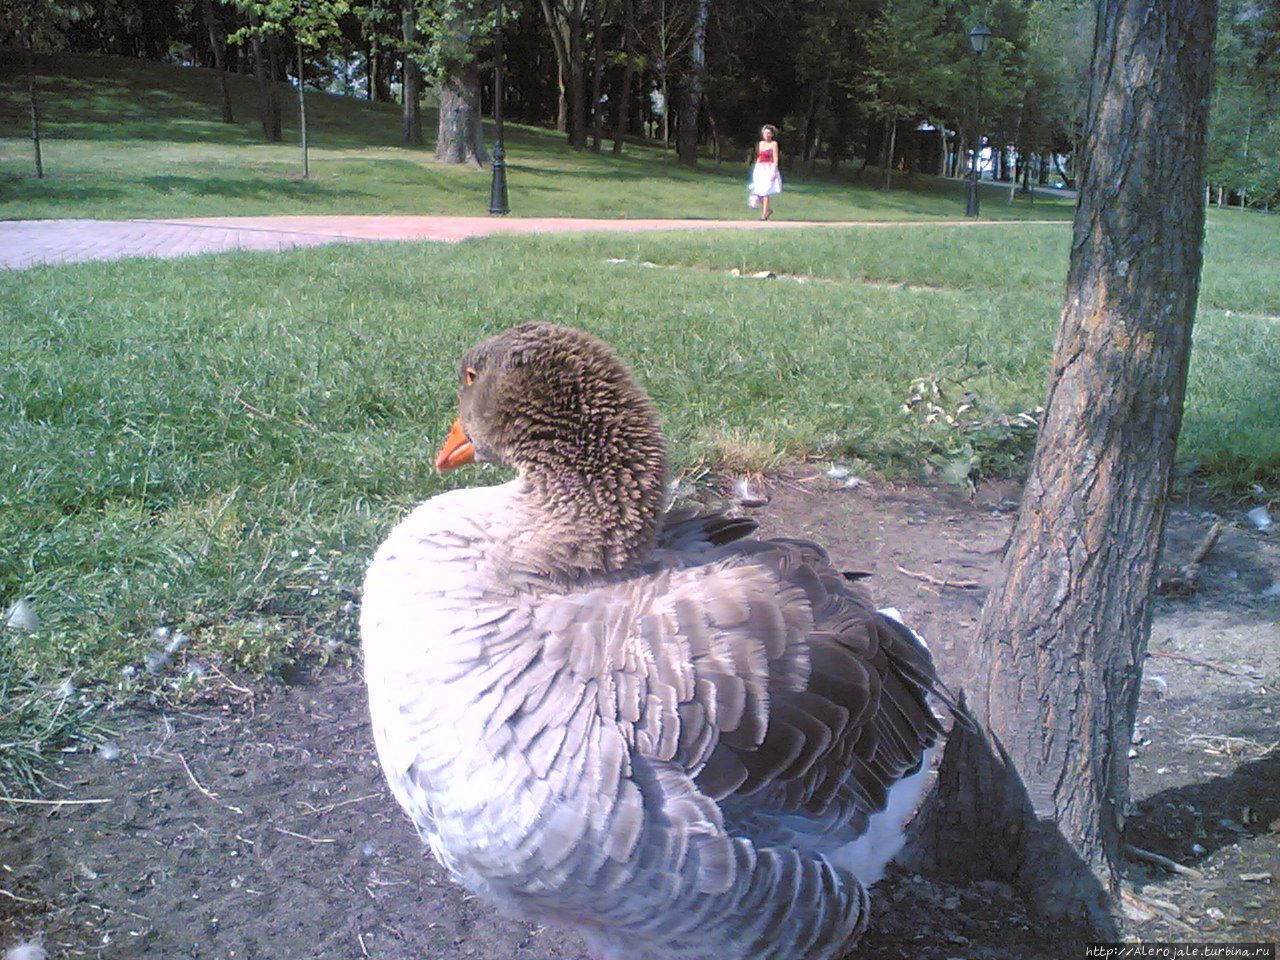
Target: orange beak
[457,450]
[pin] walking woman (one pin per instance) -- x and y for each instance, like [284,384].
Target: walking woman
[765,178]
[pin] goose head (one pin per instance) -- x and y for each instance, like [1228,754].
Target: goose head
[557,405]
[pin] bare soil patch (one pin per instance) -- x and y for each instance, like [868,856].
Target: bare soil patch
[258,826]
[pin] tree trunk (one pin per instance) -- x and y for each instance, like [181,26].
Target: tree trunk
[33,103]
[459,137]
[411,94]
[597,74]
[302,113]
[687,147]
[628,73]
[1038,797]
[889,152]
[217,40]
[564,19]
[268,100]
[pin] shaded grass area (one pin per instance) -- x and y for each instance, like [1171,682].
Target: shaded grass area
[125,138]
[216,445]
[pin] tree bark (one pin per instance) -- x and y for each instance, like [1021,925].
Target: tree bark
[890,149]
[459,136]
[302,113]
[623,106]
[1038,796]
[564,19]
[217,40]
[33,103]
[268,99]
[411,92]
[597,74]
[687,143]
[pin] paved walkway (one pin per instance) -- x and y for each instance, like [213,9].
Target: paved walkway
[27,243]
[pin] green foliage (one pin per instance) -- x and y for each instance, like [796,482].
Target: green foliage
[310,23]
[1244,117]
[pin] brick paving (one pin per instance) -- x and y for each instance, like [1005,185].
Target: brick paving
[29,243]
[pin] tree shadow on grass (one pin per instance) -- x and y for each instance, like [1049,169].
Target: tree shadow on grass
[15,187]
[248,189]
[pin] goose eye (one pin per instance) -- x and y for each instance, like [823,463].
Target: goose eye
[469,376]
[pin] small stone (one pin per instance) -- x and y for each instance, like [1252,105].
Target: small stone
[1260,518]
[837,472]
[109,751]
[748,494]
[1198,850]
[1213,913]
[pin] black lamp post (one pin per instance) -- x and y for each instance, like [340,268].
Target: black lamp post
[979,39]
[498,205]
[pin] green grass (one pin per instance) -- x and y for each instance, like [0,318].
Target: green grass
[124,138]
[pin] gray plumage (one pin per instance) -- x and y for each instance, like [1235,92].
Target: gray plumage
[656,731]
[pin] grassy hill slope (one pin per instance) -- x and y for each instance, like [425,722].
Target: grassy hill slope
[127,138]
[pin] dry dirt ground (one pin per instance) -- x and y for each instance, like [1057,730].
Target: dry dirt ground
[256,825]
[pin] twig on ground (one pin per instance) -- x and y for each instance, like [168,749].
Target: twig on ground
[270,416]
[1140,854]
[1196,661]
[363,952]
[302,836]
[199,786]
[957,584]
[53,803]
[14,896]
[229,682]
[328,807]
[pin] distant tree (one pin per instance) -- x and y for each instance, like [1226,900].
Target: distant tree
[460,27]
[412,53]
[37,25]
[218,43]
[565,19]
[622,94]
[309,23]
[907,68]
[687,145]
[1037,796]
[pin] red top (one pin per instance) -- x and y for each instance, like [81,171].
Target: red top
[764,156]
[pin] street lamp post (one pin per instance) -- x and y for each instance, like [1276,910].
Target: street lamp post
[979,39]
[498,205]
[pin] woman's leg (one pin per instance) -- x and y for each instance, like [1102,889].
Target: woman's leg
[764,207]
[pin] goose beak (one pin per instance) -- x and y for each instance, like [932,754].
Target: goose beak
[457,450]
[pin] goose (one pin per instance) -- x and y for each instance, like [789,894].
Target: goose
[648,727]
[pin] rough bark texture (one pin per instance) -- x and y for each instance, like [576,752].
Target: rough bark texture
[411,92]
[1054,673]
[687,145]
[459,138]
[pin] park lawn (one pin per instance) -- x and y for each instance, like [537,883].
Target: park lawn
[125,138]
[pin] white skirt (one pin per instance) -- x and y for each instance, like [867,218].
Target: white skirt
[765,180]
